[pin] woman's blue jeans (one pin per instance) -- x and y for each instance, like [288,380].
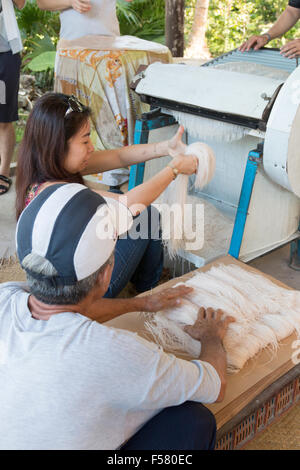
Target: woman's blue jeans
[138,255]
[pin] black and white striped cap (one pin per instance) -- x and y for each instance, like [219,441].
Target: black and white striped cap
[74,228]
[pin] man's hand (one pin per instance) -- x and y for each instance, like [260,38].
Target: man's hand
[82,6]
[210,328]
[291,50]
[255,42]
[175,145]
[209,324]
[167,298]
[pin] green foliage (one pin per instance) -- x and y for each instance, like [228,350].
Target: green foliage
[32,21]
[42,62]
[42,44]
[230,22]
[146,20]
[39,31]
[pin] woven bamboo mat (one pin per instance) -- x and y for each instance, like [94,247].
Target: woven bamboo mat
[281,435]
[10,270]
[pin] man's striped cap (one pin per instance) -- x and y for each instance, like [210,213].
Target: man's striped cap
[74,228]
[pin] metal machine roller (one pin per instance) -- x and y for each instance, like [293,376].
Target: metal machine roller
[246,107]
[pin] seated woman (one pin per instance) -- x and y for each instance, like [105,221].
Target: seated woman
[57,148]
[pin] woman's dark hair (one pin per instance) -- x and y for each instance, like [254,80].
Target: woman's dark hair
[45,143]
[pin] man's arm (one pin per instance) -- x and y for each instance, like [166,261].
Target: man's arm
[210,329]
[103,310]
[81,6]
[19,3]
[285,22]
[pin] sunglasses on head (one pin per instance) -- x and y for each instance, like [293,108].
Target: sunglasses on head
[74,105]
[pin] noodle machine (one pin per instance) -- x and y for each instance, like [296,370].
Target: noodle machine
[245,106]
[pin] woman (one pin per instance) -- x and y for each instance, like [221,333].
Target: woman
[97,65]
[57,147]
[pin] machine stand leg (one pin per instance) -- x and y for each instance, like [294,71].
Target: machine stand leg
[294,262]
[154,119]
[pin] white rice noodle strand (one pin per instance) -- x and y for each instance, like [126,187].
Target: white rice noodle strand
[174,233]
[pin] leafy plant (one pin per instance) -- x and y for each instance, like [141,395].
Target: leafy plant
[147,20]
[39,31]
[32,21]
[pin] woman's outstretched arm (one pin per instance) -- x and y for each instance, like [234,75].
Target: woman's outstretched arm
[105,160]
[138,198]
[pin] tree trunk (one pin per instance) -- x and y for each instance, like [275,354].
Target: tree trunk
[174,17]
[197,47]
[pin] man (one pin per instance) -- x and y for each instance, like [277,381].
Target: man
[286,21]
[10,63]
[67,382]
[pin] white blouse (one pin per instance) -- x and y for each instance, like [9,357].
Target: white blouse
[101,19]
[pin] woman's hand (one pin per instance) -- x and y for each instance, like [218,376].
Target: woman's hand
[82,6]
[185,164]
[175,145]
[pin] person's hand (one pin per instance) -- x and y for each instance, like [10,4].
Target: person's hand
[291,50]
[167,298]
[175,145]
[255,42]
[209,324]
[185,164]
[82,6]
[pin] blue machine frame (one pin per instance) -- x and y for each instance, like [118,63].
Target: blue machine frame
[148,122]
[254,159]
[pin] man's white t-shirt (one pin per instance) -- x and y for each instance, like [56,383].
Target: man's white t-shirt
[72,383]
[100,19]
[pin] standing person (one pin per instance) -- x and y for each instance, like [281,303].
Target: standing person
[90,17]
[97,65]
[285,22]
[10,62]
